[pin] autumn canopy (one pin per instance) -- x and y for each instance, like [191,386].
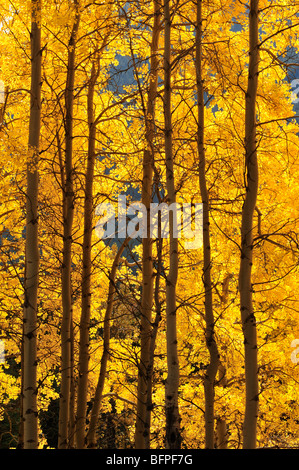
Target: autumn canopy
[152,340]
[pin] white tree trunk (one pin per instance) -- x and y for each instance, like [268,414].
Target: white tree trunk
[143,419]
[30,418]
[86,271]
[94,416]
[68,212]
[245,286]
[173,433]
[210,375]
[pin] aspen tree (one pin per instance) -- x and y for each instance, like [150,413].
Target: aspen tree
[121,103]
[210,375]
[86,269]
[173,434]
[221,426]
[68,214]
[245,285]
[91,435]
[29,405]
[156,322]
[73,390]
[86,299]
[142,433]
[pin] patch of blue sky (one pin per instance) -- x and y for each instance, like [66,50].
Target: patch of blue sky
[236,27]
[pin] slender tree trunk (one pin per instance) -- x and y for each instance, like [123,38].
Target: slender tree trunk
[86,271]
[245,286]
[221,426]
[155,327]
[91,435]
[72,417]
[221,433]
[21,425]
[68,212]
[143,420]
[210,375]
[30,417]
[173,434]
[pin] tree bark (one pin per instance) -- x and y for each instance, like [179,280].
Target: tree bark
[173,433]
[210,375]
[68,212]
[221,426]
[86,270]
[72,413]
[245,286]
[91,435]
[21,424]
[155,327]
[143,419]
[30,417]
